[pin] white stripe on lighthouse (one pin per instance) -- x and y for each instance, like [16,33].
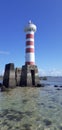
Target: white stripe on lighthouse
[30,32]
[29,39]
[29,46]
[30,57]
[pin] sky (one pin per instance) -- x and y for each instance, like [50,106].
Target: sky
[47,16]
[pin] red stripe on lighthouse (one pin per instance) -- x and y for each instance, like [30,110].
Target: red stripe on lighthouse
[29,63]
[29,50]
[29,43]
[29,36]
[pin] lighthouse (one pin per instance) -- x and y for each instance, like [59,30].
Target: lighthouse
[30,29]
[29,74]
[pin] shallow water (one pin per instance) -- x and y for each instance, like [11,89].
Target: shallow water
[31,109]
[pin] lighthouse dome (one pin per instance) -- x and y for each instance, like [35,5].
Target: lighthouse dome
[30,27]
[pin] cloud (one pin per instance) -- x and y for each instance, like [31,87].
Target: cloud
[4,53]
[2,72]
[42,72]
[53,72]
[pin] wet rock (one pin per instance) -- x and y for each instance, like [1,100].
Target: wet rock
[58,89]
[40,85]
[55,85]
[60,86]
[51,107]
[47,122]
[1,85]
[3,88]
[42,104]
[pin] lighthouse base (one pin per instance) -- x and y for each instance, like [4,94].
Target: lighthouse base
[25,76]
[29,75]
[9,76]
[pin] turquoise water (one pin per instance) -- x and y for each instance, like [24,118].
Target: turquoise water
[31,109]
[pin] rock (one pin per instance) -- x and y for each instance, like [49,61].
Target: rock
[58,89]
[55,85]
[40,85]
[1,85]
[3,88]
[61,86]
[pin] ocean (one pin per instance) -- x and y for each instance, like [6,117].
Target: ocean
[53,80]
[30,108]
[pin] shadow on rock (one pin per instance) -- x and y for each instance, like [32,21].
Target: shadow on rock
[40,85]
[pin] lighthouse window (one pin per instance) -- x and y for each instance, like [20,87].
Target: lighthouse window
[29,29]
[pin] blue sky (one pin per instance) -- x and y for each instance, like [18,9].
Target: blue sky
[47,15]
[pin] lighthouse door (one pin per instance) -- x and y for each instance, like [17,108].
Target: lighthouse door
[33,77]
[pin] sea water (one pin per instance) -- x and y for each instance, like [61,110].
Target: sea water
[53,80]
[28,108]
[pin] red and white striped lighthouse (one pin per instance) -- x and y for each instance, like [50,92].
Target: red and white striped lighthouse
[30,29]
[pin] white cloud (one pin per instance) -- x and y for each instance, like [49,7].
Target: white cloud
[2,72]
[53,72]
[42,72]
[4,52]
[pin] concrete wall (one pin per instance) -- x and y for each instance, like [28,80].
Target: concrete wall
[18,76]
[9,76]
[25,76]
[29,75]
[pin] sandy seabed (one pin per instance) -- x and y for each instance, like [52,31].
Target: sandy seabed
[31,109]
